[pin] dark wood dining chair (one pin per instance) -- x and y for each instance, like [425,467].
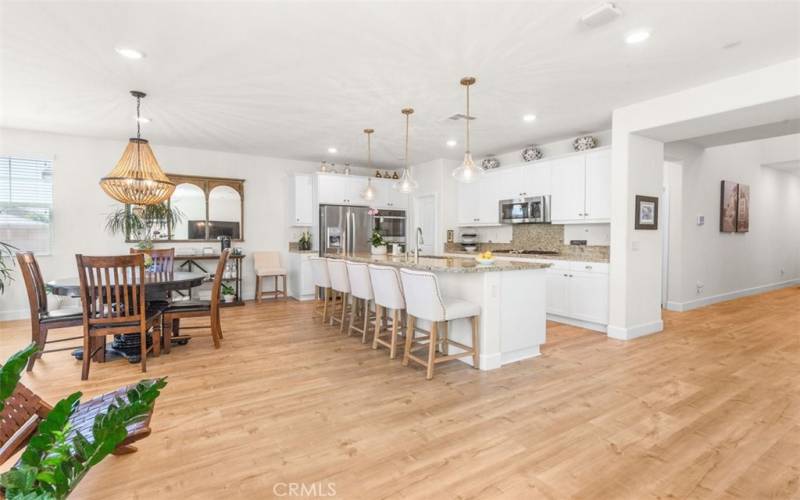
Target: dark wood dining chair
[163,258]
[42,319]
[113,299]
[177,310]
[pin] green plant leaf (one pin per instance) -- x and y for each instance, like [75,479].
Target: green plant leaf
[11,372]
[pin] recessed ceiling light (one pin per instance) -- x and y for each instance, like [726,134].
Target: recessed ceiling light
[129,53]
[637,37]
[452,143]
[333,150]
[142,119]
[529,118]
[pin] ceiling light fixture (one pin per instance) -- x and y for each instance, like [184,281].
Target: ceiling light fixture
[333,151]
[406,184]
[468,171]
[529,118]
[452,143]
[137,179]
[129,53]
[369,192]
[637,37]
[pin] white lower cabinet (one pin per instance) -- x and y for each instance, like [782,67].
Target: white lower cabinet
[301,284]
[578,290]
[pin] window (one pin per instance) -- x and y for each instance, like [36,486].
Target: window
[26,203]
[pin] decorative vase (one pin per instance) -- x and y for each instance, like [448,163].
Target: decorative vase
[490,163]
[584,142]
[532,153]
[381,250]
[228,298]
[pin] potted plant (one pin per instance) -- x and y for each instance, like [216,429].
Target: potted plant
[58,457]
[144,223]
[6,264]
[228,293]
[304,243]
[378,244]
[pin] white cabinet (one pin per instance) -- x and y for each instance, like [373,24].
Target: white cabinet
[557,292]
[477,201]
[598,186]
[301,284]
[523,181]
[388,197]
[301,205]
[581,188]
[569,189]
[337,189]
[578,290]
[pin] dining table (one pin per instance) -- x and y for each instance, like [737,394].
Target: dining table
[158,288]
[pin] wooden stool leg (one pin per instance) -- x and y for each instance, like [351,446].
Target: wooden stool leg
[38,337]
[258,288]
[275,287]
[215,333]
[445,346]
[393,341]
[324,304]
[432,350]
[475,342]
[157,338]
[366,322]
[143,347]
[378,316]
[409,337]
[333,305]
[284,286]
[87,355]
[345,296]
[166,332]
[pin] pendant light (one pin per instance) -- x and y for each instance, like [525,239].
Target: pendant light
[137,179]
[468,171]
[369,193]
[406,184]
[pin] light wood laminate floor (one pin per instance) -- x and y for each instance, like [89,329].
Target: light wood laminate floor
[709,408]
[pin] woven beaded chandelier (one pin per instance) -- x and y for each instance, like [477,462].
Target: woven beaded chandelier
[137,179]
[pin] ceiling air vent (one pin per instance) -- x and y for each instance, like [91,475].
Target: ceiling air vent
[600,15]
[460,116]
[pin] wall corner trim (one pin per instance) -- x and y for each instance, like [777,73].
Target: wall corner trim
[634,332]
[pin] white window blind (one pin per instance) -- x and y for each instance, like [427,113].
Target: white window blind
[26,203]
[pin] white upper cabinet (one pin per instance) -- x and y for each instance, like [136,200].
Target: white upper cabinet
[598,186]
[301,205]
[581,188]
[387,196]
[468,210]
[568,189]
[477,201]
[536,178]
[337,189]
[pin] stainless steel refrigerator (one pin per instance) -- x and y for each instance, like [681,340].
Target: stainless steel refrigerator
[344,229]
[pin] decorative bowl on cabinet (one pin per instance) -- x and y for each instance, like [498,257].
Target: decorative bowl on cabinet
[532,153]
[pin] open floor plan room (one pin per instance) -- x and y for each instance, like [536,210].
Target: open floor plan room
[400,250]
[687,414]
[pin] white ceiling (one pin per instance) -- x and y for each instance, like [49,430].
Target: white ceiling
[290,80]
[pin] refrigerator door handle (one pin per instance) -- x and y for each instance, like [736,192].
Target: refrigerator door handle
[353,238]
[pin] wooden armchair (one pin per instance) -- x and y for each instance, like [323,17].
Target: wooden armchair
[24,410]
[42,319]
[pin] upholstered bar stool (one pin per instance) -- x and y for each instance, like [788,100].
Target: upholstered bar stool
[424,301]
[268,264]
[322,281]
[360,290]
[340,284]
[388,292]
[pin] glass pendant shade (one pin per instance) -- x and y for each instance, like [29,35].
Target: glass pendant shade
[369,193]
[406,184]
[468,171]
[137,179]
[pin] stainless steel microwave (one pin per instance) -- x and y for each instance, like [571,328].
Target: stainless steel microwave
[533,210]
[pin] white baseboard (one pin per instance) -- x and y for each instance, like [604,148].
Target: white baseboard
[589,325]
[723,297]
[633,332]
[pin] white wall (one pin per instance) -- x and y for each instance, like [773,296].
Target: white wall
[728,265]
[80,206]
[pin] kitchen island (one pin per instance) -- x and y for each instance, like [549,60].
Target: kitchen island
[511,296]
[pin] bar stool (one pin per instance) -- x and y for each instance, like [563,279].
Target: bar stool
[340,284]
[424,301]
[388,293]
[321,279]
[360,289]
[268,264]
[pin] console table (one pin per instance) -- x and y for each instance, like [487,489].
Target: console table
[192,261]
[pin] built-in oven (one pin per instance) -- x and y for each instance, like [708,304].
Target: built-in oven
[391,224]
[533,210]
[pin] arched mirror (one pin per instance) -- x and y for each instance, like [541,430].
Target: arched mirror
[191,201]
[224,213]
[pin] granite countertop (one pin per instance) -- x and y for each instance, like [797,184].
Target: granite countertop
[443,264]
[588,257]
[291,250]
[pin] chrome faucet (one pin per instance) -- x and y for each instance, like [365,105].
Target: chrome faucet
[420,242]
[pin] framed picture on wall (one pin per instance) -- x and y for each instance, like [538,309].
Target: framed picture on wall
[743,209]
[728,207]
[646,212]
